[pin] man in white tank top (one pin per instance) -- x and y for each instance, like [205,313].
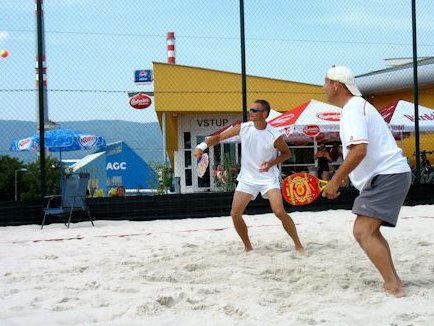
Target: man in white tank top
[376,167]
[260,144]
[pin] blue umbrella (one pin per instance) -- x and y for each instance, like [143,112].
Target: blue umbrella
[60,140]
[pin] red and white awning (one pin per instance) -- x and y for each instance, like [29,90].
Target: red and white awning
[401,118]
[310,121]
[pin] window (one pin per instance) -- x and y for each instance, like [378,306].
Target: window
[188,178]
[187,159]
[187,140]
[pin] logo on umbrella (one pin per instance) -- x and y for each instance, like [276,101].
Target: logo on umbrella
[25,144]
[329,116]
[88,140]
[311,130]
[283,119]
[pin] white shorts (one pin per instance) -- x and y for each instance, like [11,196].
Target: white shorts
[255,189]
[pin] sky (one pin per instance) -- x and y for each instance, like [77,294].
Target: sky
[93,47]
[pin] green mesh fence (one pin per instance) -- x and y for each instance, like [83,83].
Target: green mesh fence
[94,48]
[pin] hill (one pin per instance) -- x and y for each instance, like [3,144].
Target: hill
[144,138]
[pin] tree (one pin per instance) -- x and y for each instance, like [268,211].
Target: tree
[32,179]
[8,166]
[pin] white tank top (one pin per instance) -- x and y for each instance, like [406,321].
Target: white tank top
[257,147]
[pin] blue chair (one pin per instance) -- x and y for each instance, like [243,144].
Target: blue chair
[73,199]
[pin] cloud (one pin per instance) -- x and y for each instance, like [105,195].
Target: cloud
[3,36]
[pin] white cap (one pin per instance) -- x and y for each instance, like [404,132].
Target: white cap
[345,76]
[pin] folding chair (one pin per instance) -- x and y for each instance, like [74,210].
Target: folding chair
[73,199]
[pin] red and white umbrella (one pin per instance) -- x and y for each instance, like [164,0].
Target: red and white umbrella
[400,117]
[311,121]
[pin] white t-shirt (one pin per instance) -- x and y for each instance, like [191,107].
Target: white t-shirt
[362,124]
[257,147]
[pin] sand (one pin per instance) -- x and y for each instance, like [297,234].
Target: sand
[195,272]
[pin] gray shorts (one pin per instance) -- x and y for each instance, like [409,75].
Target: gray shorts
[383,198]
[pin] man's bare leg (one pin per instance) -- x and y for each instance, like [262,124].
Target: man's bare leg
[386,244]
[276,203]
[367,233]
[239,204]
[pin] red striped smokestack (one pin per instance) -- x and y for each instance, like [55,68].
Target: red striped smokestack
[40,67]
[44,67]
[44,71]
[171,47]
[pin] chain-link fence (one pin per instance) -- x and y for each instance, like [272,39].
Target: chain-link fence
[92,50]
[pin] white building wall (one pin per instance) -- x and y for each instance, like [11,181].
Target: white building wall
[199,126]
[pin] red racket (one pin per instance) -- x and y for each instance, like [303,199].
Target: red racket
[302,188]
[202,165]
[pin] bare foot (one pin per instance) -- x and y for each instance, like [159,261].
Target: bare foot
[247,249]
[301,251]
[394,289]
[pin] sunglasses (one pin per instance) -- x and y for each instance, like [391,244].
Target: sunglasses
[255,110]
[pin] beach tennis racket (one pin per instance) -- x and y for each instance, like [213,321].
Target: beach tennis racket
[202,165]
[302,188]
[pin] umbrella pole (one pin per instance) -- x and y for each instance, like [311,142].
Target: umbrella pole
[61,173]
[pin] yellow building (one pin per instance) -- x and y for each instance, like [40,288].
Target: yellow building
[396,83]
[192,103]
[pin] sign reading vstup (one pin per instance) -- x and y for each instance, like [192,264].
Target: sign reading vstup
[143,76]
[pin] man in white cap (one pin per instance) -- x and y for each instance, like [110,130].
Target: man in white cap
[376,167]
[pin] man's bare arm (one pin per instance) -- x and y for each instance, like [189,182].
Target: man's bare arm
[214,140]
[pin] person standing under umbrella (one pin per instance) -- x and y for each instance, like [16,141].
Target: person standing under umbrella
[323,157]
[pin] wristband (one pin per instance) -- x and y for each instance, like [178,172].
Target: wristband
[203,146]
